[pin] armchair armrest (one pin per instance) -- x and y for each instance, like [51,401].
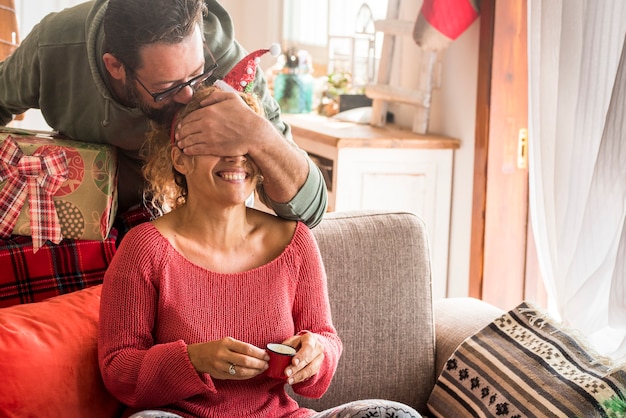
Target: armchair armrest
[455,320]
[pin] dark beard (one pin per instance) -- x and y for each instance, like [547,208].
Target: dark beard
[162,116]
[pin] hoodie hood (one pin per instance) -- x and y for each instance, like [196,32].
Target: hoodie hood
[94,29]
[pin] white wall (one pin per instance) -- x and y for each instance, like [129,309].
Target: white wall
[455,116]
[257,24]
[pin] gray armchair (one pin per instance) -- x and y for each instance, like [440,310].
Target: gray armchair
[395,339]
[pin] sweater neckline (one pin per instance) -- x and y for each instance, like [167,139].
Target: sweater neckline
[173,252]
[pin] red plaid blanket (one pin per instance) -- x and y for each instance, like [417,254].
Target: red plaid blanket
[55,269]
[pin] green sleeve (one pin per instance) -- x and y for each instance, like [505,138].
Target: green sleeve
[308,205]
[19,88]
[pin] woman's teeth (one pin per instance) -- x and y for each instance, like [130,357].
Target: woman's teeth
[234,176]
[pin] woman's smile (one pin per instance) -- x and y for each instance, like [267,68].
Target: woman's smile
[233,175]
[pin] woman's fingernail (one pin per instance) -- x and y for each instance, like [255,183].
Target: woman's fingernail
[296,362]
[289,372]
[290,381]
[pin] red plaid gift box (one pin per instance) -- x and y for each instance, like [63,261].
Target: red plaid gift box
[53,188]
[29,276]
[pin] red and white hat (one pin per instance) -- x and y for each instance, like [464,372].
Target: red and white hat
[241,77]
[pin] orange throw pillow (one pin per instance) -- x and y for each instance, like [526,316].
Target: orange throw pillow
[48,359]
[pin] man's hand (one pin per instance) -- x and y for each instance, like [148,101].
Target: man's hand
[224,126]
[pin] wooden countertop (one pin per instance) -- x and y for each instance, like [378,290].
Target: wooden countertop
[340,134]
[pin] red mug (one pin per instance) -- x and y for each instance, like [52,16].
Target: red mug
[280,358]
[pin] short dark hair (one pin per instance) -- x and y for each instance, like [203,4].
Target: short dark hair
[131,24]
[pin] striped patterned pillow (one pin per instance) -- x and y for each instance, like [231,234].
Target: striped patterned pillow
[526,365]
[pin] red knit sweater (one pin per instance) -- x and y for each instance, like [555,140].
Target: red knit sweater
[155,302]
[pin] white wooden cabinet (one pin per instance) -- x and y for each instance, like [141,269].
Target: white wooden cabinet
[385,168]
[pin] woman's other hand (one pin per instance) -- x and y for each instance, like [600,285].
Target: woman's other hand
[308,360]
[228,358]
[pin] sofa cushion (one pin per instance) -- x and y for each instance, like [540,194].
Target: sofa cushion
[526,364]
[48,359]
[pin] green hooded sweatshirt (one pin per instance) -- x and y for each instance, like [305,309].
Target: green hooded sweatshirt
[58,68]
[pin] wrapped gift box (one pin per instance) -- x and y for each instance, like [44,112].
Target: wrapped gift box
[85,203]
[29,276]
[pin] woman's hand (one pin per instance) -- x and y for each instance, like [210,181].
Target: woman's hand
[308,360]
[220,358]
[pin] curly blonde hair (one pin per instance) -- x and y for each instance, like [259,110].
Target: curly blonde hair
[166,188]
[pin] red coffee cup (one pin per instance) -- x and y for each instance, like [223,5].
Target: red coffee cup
[280,359]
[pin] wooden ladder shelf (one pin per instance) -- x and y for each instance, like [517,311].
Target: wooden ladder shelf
[382,93]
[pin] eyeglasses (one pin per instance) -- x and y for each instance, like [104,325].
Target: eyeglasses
[194,83]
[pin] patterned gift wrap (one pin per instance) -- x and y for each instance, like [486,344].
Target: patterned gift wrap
[85,202]
[29,276]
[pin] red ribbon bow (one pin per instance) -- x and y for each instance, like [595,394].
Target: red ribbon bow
[37,176]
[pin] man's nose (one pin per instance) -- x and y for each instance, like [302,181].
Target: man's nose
[184,95]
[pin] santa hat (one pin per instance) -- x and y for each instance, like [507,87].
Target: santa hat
[241,77]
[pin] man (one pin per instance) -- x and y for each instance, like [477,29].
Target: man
[101,71]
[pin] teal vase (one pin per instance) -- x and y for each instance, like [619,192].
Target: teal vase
[294,92]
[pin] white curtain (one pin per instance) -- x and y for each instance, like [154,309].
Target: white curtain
[577,126]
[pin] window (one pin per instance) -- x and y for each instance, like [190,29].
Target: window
[336,34]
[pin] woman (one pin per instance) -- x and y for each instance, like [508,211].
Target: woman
[191,298]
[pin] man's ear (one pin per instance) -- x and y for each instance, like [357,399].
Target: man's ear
[114,66]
